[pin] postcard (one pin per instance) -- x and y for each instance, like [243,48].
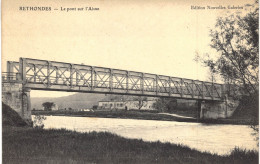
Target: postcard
[94,81]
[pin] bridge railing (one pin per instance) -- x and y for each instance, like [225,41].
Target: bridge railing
[10,77]
[51,74]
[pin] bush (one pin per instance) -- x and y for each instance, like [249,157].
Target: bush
[38,121]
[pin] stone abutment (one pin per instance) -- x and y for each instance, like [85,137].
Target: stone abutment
[18,98]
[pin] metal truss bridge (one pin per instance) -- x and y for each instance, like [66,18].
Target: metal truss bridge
[57,76]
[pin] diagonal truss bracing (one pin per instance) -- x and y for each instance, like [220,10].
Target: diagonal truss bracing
[51,75]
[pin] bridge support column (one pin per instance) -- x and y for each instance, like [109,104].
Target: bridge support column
[218,109]
[18,98]
[26,104]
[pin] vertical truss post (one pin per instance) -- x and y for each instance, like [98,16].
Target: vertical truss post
[111,79]
[10,70]
[95,79]
[34,73]
[48,73]
[181,87]
[127,81]
[153,85]
[57,75]
[71,74]
[77,77]
[164,84]
[92,78]
[156,84]
[142,83]
[22,69]
[202,90]
[192,88]
[170,89]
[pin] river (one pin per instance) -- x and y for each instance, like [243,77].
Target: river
[219,139]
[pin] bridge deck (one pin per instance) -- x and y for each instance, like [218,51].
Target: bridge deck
[58,76]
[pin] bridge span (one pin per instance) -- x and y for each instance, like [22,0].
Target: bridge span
[38,74]
[58,76]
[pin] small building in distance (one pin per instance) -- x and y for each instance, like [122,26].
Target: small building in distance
[53,107]
[126,105]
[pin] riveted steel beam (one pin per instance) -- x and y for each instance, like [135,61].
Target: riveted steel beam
[52,75]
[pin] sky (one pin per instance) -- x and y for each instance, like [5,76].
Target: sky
[160,37]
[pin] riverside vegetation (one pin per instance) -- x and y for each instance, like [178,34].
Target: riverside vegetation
[24,144]
[238,119]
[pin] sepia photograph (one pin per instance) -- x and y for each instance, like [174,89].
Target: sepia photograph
[136,82]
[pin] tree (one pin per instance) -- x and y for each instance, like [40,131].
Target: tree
[48,106]
[165,104]
[235,38]
[38,121]
[141,100]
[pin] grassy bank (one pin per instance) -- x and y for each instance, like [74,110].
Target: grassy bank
[144,115]
[27,145]
[23,144]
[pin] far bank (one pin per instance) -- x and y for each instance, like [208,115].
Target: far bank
[146,115]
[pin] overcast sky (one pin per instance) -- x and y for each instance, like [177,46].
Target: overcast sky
[154,37]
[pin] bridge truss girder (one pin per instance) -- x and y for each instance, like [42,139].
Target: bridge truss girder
[51,75]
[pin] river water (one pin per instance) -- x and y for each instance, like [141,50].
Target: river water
[219,139]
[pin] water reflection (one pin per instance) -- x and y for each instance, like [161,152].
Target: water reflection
[220,139]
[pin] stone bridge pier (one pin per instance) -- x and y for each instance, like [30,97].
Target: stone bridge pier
[18,98]
[218,109]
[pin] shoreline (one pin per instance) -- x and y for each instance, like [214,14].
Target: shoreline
[143,116]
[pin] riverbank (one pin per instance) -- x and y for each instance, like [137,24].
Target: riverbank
[24,144]
[144,115]
[28,145]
